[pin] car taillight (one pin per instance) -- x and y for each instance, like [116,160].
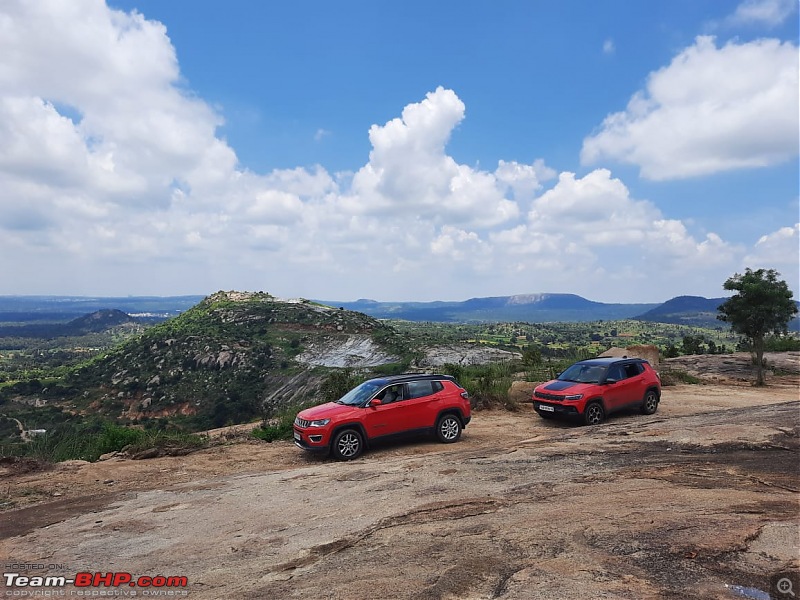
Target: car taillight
[465,395]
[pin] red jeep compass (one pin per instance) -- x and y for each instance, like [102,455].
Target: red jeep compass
[381,408]
[591,389]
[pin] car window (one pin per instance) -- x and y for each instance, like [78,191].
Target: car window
[616,373]
[418,389]
[633,369]
[393,393]
[582,373]
[438,386]
[360,394]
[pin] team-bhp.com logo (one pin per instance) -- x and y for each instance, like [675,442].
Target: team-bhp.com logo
[94,580]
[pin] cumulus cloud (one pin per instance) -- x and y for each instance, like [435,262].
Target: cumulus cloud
[114,180]
[712,109]
[590,231]
[596,215]
[409,170]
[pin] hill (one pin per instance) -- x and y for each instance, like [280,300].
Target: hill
[98,321]
[224,360]
[686,310]
[535,308]
[694,310]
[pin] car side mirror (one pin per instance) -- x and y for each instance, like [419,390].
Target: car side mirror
[610,380]
[375,402]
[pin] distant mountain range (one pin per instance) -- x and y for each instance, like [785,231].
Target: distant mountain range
[28,309]
[534,308]
[547,308]
[524,307]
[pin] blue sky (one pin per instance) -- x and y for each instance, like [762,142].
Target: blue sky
[625,151]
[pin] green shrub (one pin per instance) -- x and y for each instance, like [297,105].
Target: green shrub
[114,438]
[783,343]
[675,376]
[487,385]
[338,383]
[70,442]
[270,432]
[167,442]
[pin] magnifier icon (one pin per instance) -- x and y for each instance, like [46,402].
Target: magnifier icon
[784,586]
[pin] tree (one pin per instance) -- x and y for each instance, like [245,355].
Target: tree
[693,344]
[762,305]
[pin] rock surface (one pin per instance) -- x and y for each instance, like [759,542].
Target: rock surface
[683,504]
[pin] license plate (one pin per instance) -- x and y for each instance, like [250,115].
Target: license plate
[297,436]
[546,408]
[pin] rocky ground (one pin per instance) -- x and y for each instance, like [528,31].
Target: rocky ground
[697,501]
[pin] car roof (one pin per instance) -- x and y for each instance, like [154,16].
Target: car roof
[610,360]
[405,377]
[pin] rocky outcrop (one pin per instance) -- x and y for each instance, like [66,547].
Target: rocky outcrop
[464,354]
[345,351]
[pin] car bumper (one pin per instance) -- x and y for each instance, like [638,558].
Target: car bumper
[564,410]
[311,442]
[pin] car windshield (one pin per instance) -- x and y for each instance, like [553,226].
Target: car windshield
[583,373]
[360,394]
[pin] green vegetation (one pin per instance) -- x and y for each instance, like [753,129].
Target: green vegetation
[673,376]
[90,440]
[487,385]
[762,305]
[581,339]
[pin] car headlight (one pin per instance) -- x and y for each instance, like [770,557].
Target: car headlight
[319,423]
[573,397]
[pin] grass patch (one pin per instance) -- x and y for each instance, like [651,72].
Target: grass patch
[488,385]
[74,443]
[275,429]
[278,426]
[676,376]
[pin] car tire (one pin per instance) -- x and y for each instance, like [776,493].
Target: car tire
[448,428]
[594,414]
[650,403]
[347,445]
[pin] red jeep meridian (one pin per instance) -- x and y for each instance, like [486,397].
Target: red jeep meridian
[381,408]
[592,389]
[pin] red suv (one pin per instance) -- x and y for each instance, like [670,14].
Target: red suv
[381,408]
[591,389]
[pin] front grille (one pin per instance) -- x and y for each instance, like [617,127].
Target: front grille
[302,423]
[545,396]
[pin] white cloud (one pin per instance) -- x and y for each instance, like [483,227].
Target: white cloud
[114,180]
[609,47]
[770,13]
[590,229]
[410,172]
[523,180]
[712,109]
[779,250]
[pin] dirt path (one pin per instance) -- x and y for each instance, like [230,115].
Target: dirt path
[701,495]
